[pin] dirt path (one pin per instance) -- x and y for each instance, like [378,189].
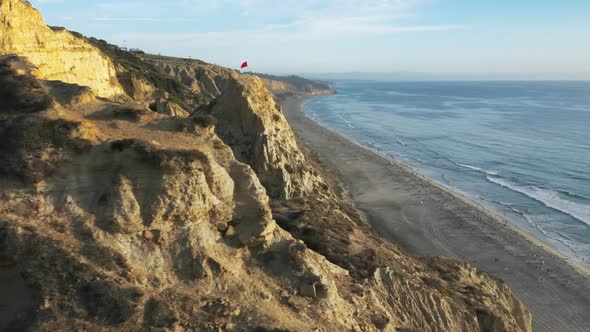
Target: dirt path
[427,220]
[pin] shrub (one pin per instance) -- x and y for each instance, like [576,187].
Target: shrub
[177,101]
[131,114]
[123,144]
[204,120]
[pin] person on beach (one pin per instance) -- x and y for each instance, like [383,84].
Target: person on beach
[541,264]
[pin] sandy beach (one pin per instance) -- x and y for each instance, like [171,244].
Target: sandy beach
[427,220]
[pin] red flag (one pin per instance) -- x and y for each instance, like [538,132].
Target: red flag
[244,64]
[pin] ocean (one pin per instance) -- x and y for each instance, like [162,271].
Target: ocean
[520,149]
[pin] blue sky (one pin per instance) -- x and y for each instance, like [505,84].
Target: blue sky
[525,39]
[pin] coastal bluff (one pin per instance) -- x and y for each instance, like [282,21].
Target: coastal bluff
[142,192]
[56,53]
[283,87]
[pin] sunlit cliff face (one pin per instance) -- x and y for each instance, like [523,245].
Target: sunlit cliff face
[57,53]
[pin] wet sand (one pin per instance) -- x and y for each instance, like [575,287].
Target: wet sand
[428,220]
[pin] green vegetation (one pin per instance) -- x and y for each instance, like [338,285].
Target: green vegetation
[177,101]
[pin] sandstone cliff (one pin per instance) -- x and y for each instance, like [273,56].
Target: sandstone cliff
[251,123]
[294,86]
[188,205]
[57,53]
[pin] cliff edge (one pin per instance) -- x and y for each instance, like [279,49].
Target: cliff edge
[282,87]
[180,200]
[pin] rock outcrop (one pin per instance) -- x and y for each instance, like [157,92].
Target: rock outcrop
[252,124]
[135,86]
[57,53]
[132,215]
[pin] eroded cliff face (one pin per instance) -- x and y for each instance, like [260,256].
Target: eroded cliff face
[252,124]
[293,86]
[57,53]
[119,216]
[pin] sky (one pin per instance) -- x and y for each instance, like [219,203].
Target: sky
[511,39]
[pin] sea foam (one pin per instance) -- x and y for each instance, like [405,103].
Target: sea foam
[475,168]
[549,198]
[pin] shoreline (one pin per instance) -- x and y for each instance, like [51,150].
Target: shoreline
[584,269]
[428,219]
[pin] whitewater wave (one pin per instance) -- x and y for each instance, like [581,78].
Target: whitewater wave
[400,142]
[558,237]
[406,94]
[531,220]
[346,121]
[549,198]
[502,203]
[475,168]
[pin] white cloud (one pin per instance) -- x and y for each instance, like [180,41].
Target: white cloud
[260,11]
[262,29]
[317,31]
[268,21]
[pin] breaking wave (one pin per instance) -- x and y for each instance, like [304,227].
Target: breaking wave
[346,121]
[475,168]
[549,198]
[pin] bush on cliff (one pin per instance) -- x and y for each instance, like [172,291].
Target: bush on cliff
[204,121]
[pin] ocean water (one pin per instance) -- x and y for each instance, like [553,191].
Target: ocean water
[521,149]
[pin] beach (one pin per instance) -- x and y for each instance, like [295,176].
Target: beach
[427,219]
